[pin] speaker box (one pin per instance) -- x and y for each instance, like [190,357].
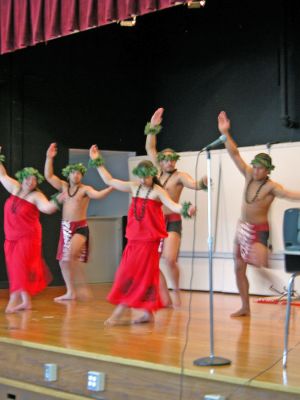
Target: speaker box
[291,229]
[292,262]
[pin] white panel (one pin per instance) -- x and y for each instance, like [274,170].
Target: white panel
[228,185]
[116,204]
[105,249]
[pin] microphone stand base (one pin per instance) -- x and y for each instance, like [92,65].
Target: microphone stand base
[209,361]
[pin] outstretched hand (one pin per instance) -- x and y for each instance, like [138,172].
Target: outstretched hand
[62,196]
[192,210]
[94,152]
[157,117]
[52,150]
[223,122]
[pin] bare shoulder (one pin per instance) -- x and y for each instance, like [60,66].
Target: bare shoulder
[158,191]
[85,188]
[64,185]
[36,196]
[248,173]
[134,185]
[158,188]
[180,175]
[274,186]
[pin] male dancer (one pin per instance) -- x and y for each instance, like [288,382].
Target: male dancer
[173,181]
[74,234]
[251,242]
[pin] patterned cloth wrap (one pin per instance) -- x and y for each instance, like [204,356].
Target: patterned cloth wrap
[248,234]
[68,229]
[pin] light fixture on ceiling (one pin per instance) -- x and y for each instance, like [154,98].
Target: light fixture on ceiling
[130,22]
[196,3]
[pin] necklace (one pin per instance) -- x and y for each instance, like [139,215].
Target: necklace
[142,214]
[166,181]
[16,202]
[73,194]
[257,191]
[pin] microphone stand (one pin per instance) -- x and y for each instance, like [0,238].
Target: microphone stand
[212,359]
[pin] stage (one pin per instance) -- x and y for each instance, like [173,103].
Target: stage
[146,361]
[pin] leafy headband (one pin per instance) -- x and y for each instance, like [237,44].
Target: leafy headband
[73,167]
[29,171]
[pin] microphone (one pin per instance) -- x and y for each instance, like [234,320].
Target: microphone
[268,145]
[222,139]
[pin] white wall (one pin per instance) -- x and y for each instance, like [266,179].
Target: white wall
[227,193]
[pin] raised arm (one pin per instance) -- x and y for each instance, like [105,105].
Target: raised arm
[54,180]
[190,183]
[98,194]
[151,135]
[224,128]
[10,184]
[168,202]
[280,192]
[123,186]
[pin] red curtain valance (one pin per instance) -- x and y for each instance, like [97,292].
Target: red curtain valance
[28,22]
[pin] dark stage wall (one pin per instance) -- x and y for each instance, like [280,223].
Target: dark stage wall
[102,85]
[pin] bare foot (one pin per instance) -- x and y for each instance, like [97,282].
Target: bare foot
[116,316]
[243,312]
[84,294]
[110,322]
[145,318]
[9,309]
[65,297]
[23,306]
[176,298]
[168,305]
[14,299]
[114,321]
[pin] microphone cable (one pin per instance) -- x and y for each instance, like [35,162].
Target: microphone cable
[188,323]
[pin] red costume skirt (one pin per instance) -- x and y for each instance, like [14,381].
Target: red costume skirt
[136,282]
[26,268]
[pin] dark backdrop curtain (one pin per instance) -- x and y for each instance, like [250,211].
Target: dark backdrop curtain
[28,22]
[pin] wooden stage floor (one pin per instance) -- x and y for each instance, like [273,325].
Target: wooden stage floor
[253,344]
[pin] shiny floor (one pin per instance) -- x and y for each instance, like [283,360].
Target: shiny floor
[253,344]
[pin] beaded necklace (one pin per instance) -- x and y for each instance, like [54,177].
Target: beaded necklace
[257,191]
[16,202]
[73,194]
[166,181]
[142,214]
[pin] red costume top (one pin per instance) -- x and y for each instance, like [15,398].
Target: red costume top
[137,279]
[26,268]
[152,227]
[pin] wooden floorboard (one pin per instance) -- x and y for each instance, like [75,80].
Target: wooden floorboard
[253,344]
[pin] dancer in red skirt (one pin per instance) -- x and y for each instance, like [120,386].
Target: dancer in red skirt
[137,279]
[26,269]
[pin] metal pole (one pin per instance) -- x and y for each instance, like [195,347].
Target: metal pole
[212,359]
